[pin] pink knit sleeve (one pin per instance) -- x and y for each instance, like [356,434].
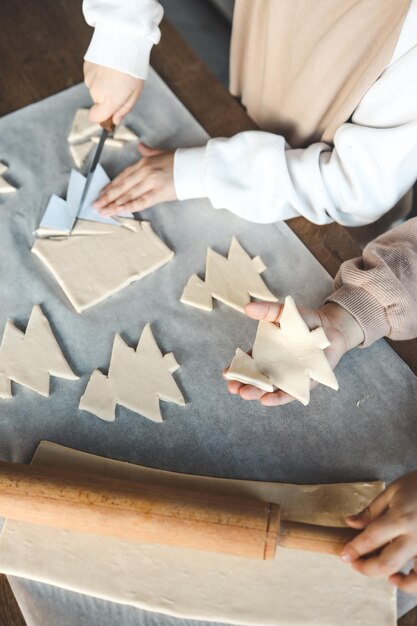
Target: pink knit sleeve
[380,288]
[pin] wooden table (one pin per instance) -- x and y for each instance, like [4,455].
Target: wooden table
[41,49]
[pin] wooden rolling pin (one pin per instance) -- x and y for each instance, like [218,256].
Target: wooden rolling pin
[156,514]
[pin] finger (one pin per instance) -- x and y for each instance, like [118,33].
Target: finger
[250,392]
[270,312]
[125,108]
[146,201]
[372,511]
[134,192]
[233,387]
[100,112]
[276,398]
[389,560]
[377,534]
[118,190]
[123,174]
[405,582]
[147,151]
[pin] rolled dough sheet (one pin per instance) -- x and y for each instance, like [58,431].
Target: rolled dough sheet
[84,266]
[296,589]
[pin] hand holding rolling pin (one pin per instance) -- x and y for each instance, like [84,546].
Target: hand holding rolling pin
[389,526]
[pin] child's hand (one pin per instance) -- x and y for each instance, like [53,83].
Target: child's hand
[341,328]
[140,186]
[114,93]
[390,523]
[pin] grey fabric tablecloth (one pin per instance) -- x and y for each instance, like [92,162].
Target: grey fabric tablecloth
[365,431]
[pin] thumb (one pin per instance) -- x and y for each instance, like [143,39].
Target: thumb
[268,311]
[100,112]
[371,512]
[147,151]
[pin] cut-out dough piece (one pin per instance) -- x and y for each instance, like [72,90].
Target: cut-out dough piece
[288,355]
[197,294]
[84,265]
[80,152]
[82,129]
[30,358]
[111,142]
[243,369]
[122,136]
[123,133]
[60,215]
[137,379]
[232,280]
[5,187]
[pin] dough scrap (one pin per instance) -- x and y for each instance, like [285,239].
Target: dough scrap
[297,587]
[30,358]
[5,187]
[84,267]
[60,215]
[82,129]
[232,280]
[244,369]
[287,356]
[137,379]
[85,134]
[80,152]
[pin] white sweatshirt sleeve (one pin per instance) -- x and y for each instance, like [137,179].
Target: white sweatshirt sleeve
[372,164]
[124,33]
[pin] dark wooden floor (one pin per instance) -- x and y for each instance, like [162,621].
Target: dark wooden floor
[41,50]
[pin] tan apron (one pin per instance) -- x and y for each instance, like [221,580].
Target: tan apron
[301,67]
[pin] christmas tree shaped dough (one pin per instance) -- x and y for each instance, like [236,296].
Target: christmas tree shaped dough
[137,379]
[232,280]
[5,187]
[287,356]
[30,358]
[90,268]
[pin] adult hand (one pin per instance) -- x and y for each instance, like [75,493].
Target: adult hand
[340,327]
[389,525]
[114,93]
[141,185]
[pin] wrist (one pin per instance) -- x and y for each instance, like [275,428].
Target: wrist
[343,321]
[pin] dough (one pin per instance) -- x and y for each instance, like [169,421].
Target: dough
[60,215]
[80,152]
[110,142]
[82,129]
[296,589]
[244,369]
[5,187]
[84,265]
[287,355]
[232,281]
[30,358]
[84,135]
[137,379]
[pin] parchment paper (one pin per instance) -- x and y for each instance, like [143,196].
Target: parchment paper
[365,431]
[202,585]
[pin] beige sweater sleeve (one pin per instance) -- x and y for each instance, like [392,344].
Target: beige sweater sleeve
[380,288]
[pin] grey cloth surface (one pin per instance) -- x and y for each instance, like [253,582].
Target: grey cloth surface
[365,431]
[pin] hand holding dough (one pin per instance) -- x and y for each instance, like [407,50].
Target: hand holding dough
[285,356]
